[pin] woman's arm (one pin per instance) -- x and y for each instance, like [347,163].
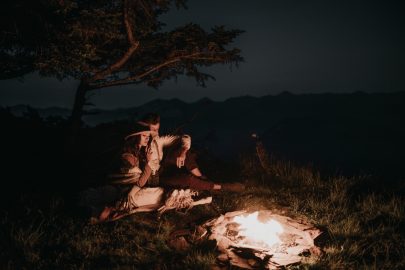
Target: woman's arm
[143,179]
[147,171]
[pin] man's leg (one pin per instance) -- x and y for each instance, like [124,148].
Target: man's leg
[196,172]
[196,183]
[190,176]
[187,181]
[190,163]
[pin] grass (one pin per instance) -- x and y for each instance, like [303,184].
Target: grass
[364,229]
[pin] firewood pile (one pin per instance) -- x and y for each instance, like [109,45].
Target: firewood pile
[295,242]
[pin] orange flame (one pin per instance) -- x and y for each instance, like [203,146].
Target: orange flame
[261,232]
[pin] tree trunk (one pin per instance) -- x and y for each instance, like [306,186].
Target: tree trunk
[72,152]
[77,112]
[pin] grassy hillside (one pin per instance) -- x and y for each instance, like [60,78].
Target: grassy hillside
[364,227]
[363,215]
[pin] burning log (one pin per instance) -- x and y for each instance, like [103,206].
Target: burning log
[262,239]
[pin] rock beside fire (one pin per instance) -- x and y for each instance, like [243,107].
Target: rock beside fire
[294,242]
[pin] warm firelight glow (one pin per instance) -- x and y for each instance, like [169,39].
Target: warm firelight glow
[254,230]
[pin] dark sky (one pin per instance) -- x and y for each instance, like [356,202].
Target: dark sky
[296,46]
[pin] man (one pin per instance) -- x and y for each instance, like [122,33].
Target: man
[179,168]
[180,156]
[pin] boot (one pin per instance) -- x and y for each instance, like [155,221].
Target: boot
[233,187]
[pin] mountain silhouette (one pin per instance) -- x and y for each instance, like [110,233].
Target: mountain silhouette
[349,132]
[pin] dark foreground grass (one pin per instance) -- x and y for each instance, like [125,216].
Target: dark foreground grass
[364,227]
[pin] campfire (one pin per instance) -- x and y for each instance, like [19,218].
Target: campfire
[252,231]
[262,239]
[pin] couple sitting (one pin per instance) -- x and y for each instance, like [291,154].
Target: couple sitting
[153,161]
[142,161]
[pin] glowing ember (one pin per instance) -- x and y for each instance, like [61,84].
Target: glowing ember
[254,230]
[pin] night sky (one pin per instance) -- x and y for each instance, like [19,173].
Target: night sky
[295,46]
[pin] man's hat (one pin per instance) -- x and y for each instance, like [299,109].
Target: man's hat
[139,128]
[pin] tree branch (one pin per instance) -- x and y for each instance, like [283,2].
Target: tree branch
[133,79]
[128,25]
[134,44]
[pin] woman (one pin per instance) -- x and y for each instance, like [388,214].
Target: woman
[134,156]
[131,177]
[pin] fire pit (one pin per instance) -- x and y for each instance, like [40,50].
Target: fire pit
[262,239]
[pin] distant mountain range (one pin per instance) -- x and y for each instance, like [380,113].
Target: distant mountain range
[342,131]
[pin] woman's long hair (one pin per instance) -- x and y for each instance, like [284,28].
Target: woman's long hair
[132,146]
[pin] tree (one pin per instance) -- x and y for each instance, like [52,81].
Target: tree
[105,43]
